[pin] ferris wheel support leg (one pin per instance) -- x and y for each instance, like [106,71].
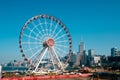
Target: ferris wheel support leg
[52,58]
[37,59]
[58,59]
[44,51]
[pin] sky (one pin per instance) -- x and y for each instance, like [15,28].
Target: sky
[97,22]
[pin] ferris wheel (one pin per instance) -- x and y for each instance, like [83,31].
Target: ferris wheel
[45,44]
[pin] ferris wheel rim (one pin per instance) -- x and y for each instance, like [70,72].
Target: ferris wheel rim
[51,18]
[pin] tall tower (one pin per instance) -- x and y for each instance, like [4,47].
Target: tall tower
[91,53]
[81,47]
[80,56]
[91,57]
[114,51]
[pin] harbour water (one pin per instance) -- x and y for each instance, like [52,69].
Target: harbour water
[12,69]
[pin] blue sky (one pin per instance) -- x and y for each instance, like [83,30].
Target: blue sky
[96,21]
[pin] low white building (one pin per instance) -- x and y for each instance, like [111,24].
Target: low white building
[97,60]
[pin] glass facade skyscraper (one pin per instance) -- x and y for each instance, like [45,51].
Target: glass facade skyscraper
[115,52]
[80,55]
[81,47]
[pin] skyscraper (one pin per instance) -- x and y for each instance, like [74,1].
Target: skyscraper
[113,51]
[91,53]
[91,57]
[80,55]
[85,56]
[81,47]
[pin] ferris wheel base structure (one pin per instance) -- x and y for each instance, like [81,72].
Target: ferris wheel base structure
[47,72]
[45,44]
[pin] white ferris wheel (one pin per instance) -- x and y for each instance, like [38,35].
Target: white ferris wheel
[45,44]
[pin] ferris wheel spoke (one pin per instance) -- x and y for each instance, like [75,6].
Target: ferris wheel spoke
[34,54]
[41,26]
[61,50]
[46,26]
[50,26]
[54,30]
[41,57]
[37,59]
[64,41]
[31,43]
[57,58]
[58,33]
[52,59]
[60,37]
[30,36]
[35,27]
[31,48]
[62,46]
[39,32]
[32,31]
[61,55]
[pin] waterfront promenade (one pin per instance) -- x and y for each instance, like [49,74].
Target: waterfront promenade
[56,77]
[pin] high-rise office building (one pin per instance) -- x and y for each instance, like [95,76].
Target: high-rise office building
[91,57]
[118,54]
[85,56]
[80,55]
[91,53]
[81,47]
[77,63]
[73,57]
[114,52]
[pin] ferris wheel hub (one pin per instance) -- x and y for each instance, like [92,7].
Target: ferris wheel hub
[50,42]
